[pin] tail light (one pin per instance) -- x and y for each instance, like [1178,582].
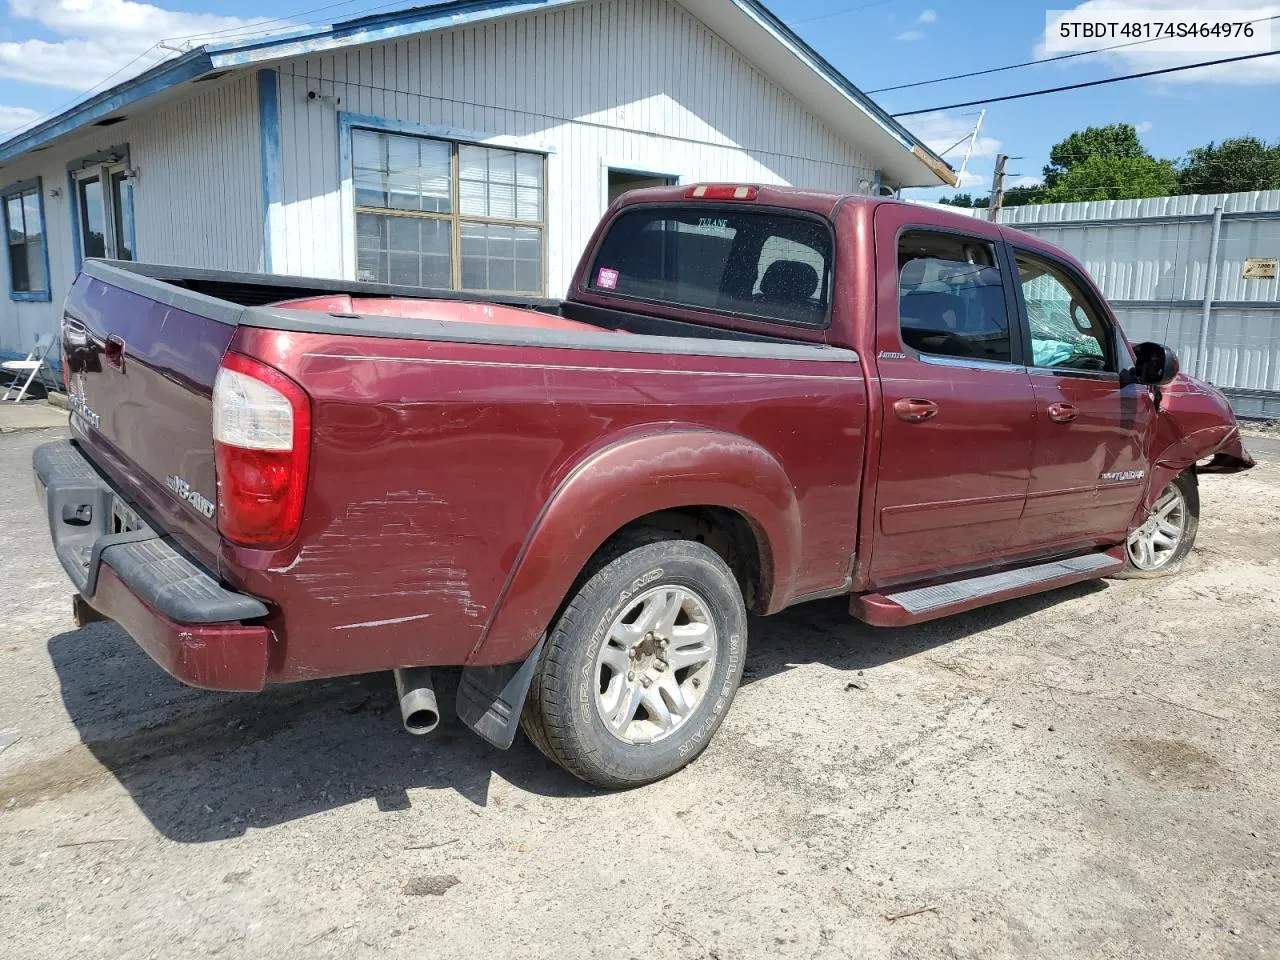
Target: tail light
[262,441]
[722,191]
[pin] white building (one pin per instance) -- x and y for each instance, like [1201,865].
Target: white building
[471,145]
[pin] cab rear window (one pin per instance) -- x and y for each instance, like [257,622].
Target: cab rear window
[755,263]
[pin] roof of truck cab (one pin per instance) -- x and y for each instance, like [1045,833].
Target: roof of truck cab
[747,25]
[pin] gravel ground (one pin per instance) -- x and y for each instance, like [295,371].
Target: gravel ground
[1086,774]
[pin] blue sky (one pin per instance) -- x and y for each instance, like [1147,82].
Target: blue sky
[51,51]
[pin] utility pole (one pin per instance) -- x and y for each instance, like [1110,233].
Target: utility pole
[997,189]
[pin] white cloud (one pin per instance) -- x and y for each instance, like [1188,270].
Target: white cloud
[1143,126]
[100,37]
[971,179]
[1027,182]
[1151,56]
[908,36]
[942,131]
[927,16]
[14,118]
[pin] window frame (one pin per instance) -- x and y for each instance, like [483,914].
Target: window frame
[350,124]
[1112,342]
[1019,342]
[583,283]
[19,189]
[105,165]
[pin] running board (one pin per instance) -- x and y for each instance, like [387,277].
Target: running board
[918,604]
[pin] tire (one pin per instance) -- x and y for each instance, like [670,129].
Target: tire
[688,595]
[1141,564]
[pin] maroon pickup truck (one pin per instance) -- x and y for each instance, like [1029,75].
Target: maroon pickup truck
[751,397]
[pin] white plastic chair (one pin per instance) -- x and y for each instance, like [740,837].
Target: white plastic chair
[31,366]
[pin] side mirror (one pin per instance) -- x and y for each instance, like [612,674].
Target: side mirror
[1154,365]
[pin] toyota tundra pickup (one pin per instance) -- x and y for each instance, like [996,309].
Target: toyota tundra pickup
[750,397]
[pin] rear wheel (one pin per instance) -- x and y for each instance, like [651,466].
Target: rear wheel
[1157,547]
[641,666]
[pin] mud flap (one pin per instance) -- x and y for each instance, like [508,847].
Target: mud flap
[490,698]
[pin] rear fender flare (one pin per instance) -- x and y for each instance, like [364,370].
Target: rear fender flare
[617,485]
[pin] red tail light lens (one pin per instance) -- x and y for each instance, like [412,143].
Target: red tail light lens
[722,191]
[262,442]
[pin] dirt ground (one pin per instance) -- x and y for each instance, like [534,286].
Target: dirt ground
[1086,774]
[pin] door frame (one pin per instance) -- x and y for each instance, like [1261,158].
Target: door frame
[607,166]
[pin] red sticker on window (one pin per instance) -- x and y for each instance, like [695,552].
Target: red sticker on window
[607,278]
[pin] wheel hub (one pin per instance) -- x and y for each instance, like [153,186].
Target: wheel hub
[654,665]
[1155,541]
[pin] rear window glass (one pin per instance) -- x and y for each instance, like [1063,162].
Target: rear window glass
[755,263]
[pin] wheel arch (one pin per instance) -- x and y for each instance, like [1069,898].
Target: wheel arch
[721,487]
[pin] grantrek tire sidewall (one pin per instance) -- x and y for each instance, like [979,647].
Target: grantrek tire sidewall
[677,563]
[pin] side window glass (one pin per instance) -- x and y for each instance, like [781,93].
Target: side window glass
[950,300]
[1066,332]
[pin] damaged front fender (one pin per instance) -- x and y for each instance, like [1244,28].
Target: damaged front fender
[1195,424]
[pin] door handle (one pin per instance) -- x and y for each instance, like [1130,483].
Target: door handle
[114,351]
[1063,412]
[914,410]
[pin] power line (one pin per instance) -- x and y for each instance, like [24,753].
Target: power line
[1090,83]
[1032,63]
[840,13]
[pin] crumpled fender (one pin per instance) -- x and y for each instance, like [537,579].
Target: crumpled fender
[1195,423]
[629,479]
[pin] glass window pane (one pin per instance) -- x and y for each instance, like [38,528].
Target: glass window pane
[93,221]
[950,298]
[501,258]
[36,279]
[18,276]
[529,170]
[411,251]
[1065,330]
[528,204]
[31,215]
[122,204]
[13,219]
[685,256]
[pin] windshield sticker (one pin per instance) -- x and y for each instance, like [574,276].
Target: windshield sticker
[607,278]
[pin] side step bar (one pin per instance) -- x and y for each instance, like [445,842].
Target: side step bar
[918,604]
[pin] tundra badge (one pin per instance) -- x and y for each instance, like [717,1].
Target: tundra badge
[193,497]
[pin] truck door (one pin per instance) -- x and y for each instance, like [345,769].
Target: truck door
[957,405]
[1090,461]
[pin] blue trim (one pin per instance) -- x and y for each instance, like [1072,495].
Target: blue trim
[272,160]
[157,79]
[28,296]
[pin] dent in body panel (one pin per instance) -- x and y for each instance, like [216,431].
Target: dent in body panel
[476,437]
[1195,423]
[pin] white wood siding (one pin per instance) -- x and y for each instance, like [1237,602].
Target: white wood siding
[634,84]
[197,201]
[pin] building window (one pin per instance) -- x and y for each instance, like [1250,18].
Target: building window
[103,201]
[24,227]
[430,213]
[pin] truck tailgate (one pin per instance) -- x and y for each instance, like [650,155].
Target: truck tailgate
[141,364]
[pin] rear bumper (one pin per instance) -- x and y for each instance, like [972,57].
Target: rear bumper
[175,609]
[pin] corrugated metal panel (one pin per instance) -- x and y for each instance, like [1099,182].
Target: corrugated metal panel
[634,84]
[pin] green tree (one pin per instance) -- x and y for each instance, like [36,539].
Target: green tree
[964,200]
[1236,165]
[1113,178]
[1116,140]
[1021,196]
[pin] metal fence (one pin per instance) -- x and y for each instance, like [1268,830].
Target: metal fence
[1197,273]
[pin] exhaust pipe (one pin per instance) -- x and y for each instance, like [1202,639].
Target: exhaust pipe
[417,700]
